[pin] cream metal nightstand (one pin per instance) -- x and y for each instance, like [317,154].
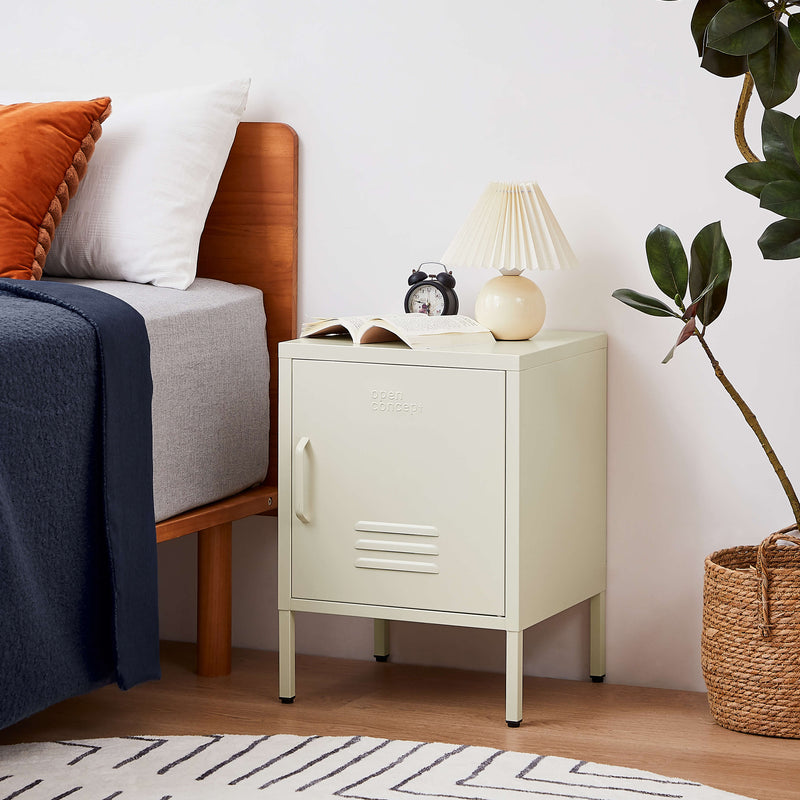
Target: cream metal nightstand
[460,487]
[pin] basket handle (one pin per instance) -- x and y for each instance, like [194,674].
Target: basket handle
[762,571]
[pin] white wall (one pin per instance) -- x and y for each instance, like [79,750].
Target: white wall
[405,111]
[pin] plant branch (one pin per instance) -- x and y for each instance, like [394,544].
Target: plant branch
[738,122]
[751,420]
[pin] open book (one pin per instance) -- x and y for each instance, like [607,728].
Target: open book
[418,331]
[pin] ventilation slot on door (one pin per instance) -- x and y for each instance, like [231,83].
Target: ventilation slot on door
[389,537]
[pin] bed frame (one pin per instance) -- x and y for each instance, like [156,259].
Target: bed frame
[250,237]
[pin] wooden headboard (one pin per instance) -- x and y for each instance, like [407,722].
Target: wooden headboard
[250,237]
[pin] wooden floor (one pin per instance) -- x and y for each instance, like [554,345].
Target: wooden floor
[667,732]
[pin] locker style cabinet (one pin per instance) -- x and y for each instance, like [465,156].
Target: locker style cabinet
[461,486]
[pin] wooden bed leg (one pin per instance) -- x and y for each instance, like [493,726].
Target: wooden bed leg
[214,600]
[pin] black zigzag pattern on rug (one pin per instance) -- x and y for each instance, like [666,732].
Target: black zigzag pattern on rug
[315,768]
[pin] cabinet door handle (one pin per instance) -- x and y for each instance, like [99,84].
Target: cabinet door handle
[299,481]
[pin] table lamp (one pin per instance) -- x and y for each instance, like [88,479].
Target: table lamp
[511,229]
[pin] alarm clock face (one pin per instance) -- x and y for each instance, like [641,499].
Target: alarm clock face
[425,298]
[434,296]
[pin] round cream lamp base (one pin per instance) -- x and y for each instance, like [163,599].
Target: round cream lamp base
[511,307]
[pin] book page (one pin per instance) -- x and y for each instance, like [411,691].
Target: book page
[423,325]
[424,332]
[416,330]
[322,326]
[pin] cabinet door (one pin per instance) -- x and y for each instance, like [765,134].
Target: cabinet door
[399,486]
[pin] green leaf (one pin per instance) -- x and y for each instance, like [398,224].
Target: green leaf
[794,29]
[782,197]
[704,12]
[781,240]
[723,65]
[741,27]
[710,261]
[644,303]
[717,63]
[777,138]
[667,260]
[775,69]
[695,305]
[796,139]
[752,177]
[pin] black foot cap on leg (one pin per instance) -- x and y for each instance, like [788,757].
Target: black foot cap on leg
[382,658]
[598,678]
[287,700]
[512,724]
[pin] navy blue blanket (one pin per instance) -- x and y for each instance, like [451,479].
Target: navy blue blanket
[78,590]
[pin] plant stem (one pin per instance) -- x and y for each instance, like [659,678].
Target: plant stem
[738,122]
[751,420]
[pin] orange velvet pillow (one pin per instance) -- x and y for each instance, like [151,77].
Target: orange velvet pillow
[44,150]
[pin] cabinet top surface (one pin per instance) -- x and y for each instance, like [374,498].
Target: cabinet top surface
[546,347]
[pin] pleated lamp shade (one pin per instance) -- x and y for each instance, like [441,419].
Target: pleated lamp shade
[511,229]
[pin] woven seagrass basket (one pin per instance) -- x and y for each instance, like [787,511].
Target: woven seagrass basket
[751,636]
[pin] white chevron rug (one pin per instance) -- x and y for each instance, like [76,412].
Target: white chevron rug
[314,768]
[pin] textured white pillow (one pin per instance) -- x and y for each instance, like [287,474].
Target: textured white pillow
[142,206]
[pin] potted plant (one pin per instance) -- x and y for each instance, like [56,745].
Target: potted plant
[751,600]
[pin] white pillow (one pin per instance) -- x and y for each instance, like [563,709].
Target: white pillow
[142,206]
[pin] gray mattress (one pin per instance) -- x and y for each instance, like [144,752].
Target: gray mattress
[208,354]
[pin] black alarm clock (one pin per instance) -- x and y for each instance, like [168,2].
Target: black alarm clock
[429,294]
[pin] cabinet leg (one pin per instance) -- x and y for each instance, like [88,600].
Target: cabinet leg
[380,628]
[597,637]
[513,678]
[286,656]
